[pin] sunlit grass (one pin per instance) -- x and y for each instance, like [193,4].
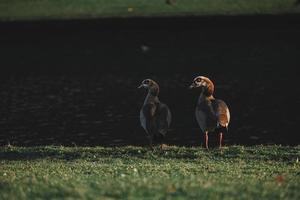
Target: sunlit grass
[259,172]
[70,9]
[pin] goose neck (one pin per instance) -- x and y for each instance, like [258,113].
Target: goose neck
[150,98]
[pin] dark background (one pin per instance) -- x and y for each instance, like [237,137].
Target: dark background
[75,82]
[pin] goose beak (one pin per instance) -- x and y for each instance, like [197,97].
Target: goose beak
[140,86]
[192,86]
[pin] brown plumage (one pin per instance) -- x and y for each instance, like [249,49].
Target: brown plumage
[212,114]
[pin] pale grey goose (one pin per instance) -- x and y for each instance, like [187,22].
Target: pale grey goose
[155,116]
[212,114]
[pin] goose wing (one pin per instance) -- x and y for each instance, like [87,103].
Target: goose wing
[163,118]
[222,112]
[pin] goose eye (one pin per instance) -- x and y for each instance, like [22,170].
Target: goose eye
[146,82]
[198,80]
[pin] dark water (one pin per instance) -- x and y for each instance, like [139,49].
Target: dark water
[75,82]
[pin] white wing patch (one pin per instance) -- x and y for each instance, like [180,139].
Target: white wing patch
[228,116]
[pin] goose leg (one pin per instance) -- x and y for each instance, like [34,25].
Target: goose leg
[206,139]
[150,142]
[220,139]
[160,139]
[162,146]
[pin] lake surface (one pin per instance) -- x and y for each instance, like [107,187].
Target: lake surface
[75,82]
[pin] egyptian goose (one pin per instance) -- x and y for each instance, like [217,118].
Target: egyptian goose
[212,114]
[155,116]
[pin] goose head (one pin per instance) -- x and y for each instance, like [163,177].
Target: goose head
[203,83]
[151,85]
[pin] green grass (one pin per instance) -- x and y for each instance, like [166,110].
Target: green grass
[74,9]
[259,172]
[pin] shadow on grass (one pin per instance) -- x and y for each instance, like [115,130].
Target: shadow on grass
[93,153]
[258,153]
[12,153]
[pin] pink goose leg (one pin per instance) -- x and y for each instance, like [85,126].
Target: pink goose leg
[206,139]
[220,139]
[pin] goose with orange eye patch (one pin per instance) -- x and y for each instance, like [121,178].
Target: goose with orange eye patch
[212,114]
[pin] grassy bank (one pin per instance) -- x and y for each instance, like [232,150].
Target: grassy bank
[259,172]
[74,9]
